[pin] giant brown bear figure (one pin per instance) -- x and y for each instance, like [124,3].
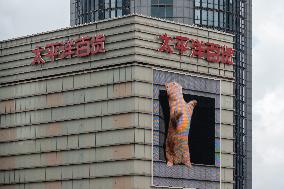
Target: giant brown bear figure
[177,150]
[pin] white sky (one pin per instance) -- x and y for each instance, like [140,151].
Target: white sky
[25,17]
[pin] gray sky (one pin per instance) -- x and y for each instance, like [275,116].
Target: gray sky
[25,17]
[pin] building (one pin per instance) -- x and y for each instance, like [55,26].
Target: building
[232,16]
[84,106]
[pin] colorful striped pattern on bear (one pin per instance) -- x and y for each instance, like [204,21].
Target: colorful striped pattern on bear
[177,149]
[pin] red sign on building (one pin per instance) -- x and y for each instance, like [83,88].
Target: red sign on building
[203,50]
[84,46]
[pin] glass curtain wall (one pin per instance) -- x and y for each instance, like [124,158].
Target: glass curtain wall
[231,16]
[92,10]
[215,13]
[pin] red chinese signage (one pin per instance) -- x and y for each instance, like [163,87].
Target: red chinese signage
[84,46]
[203,50]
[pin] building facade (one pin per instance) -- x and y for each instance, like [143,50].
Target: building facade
[82,107]
[232,16]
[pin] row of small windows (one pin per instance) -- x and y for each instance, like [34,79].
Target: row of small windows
[215,4]
[213,18]
[91,10]
[112,8]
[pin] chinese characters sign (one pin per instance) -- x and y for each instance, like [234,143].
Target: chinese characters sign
[203,50]
[84,46]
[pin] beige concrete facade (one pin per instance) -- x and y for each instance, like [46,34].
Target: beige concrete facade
[87,122]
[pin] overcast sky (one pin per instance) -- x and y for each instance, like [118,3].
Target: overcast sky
[24,17]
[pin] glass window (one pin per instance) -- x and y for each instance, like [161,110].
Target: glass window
[231,21]
[162,8]
[155,2]
[119,3]
[106,4]
[225,19]
[106,14]
[112,4]
[112,13]
[204,17]
[221,4]
[204,3]
[231,5]
[157,11]
[197,3]
[221,14]
[166,1]
[89,5]
[197,21]
[210,4]
[216,4]
[197,14]
[119,12]
[210,18]
[169,12]
[216,20]
[197,17]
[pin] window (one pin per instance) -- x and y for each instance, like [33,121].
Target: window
[216,4]
[216,19]
[221,14]
[112,4]
[197,16]
[197,3]
[107,14]
[231,5]
[204,17]
[119,3]
[162,8]
[112,13]
[210,18]
[221,4]
[204,3]
[106,4]
[210,4]
[119,12]
[169,12]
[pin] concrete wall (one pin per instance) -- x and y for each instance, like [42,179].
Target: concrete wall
[86,122]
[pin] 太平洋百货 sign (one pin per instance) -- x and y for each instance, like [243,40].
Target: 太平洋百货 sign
[203,50]
[83,46]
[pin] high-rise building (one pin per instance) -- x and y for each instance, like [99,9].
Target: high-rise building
[224,15]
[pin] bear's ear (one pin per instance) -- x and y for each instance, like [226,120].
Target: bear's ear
[192,103]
